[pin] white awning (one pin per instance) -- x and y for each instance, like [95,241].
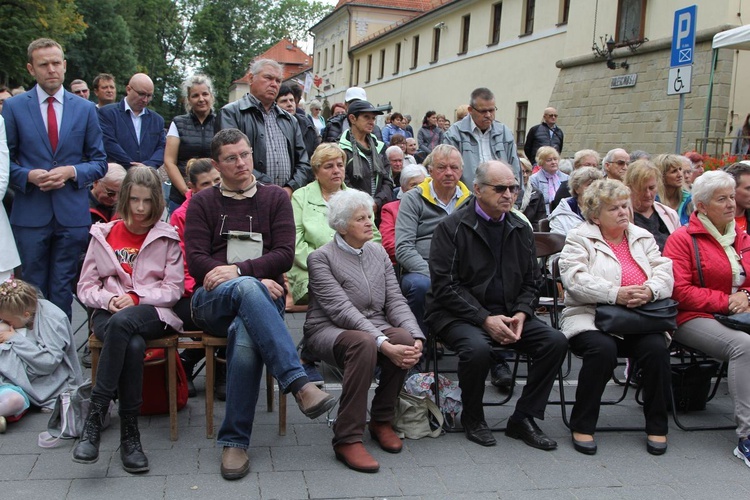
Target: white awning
[736,38]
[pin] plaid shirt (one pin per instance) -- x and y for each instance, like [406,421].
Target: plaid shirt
[279,165]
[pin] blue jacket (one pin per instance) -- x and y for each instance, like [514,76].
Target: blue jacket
[80,145]
[120,140]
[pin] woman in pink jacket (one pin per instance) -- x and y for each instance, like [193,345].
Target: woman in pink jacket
[132,276]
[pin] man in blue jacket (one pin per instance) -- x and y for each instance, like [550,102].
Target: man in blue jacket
[56,152]
[133,134]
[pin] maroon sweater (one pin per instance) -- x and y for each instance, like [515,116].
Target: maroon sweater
[272,216]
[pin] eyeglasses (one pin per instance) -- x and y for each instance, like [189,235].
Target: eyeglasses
[485,111]
[232,160]
[110,194]
[143,95]
[81,92]
[553,115]
[500,188]
[620,163]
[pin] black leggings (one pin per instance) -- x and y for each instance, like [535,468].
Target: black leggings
[120,368]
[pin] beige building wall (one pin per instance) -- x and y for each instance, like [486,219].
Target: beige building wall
[555,65]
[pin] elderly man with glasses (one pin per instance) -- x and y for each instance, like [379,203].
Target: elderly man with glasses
[481,138]
[133,134]
[485,279]
[616,164]
[104,192]
[546,133]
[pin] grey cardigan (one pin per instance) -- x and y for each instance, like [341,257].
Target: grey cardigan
[353,292]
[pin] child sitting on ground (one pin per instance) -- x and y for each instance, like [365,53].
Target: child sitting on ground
[37,352]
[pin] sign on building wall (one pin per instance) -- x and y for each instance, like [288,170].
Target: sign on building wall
[622,81]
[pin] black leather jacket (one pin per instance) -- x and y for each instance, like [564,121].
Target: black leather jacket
[247,116]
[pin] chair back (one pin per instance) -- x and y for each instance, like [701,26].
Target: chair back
[548,244]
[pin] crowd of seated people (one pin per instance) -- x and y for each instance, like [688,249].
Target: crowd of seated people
[251,203]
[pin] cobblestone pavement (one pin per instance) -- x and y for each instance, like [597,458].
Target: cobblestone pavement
[302,465]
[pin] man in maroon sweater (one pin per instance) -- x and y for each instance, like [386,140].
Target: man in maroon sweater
[239,240]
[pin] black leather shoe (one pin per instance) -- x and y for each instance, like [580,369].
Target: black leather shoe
[585,447]
[527,431]
[478,432]
[501,376]
[655,447]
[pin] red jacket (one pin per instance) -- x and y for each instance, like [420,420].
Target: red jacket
[697,302]
[387,228]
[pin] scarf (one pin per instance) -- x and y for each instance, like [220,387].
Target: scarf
[360,164]
[553,184]
[726,241]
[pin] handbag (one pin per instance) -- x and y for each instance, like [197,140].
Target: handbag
[69,415]
[156,384]
[417,417]
[739,321]
[652,317]
[691,384]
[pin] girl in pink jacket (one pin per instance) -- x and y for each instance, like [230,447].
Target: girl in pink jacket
[132,276]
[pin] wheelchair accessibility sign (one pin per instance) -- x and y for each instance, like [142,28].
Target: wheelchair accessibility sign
[679,80]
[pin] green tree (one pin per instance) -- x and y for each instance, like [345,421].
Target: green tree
[105,46]
[21,22]
[159,32]
[228,34]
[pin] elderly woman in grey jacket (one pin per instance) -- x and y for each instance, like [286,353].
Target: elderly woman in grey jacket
[609,260]
[357,319]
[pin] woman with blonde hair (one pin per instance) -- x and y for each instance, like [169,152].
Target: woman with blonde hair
[644,180]
[672,192]
[609,260]
[189,135]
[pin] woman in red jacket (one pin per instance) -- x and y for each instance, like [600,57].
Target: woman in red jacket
[720,285]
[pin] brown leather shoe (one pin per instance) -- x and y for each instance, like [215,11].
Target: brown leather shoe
[356,457]
[312,401]
[234,463]
[383,433]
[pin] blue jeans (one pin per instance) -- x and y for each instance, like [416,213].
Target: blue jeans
[243,311]
[414,287]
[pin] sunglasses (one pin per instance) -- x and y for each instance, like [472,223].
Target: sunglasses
[500,188]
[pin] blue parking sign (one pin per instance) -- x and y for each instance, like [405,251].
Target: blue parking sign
[683,36]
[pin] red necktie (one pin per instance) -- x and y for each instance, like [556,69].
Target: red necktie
[51,123]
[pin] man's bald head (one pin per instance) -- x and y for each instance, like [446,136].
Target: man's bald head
[139,92]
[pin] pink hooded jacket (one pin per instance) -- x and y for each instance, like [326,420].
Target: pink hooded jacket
[158,274]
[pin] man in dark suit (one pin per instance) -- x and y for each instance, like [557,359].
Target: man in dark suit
[56,152]
[133,134]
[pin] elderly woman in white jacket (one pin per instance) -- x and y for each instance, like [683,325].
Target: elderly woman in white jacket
[609,260]
[567,214]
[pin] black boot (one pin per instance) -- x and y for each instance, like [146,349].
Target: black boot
[131,453]
[87,449]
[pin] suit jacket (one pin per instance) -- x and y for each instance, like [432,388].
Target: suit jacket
[120,140]
[80,145]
